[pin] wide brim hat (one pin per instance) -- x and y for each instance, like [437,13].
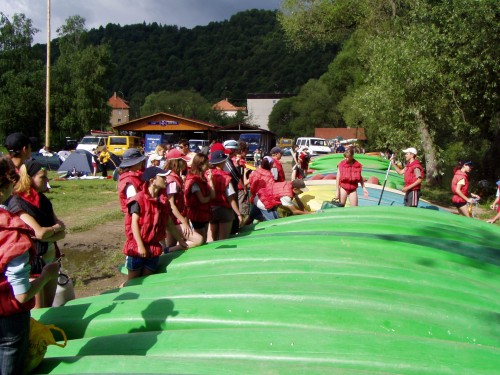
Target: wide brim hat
[131,157]
[217,157]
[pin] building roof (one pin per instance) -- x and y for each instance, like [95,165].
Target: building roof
[162,121]
[345,133]
[116,102]
[225,105]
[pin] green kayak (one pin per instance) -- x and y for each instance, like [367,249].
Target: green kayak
[365,290]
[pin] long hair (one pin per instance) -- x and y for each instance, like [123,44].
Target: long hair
[199,161]
[24,184]
[175,165]
[8,174]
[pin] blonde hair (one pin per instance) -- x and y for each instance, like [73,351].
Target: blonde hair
[24,183]
[159,147]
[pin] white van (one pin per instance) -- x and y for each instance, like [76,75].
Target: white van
[316,146]
[90,142]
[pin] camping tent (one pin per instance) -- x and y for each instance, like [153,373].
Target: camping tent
[80,160]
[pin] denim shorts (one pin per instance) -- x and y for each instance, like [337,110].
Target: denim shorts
[137,264]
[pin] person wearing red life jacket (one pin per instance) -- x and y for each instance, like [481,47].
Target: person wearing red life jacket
[199,191]
[282,194]
[179,229]
[259,179]
[146,224]
[460,188]
[496,203]
[16,290]
[304,159]
[277,169]
[130,180]
[224,203]
[413,177]
[348,178]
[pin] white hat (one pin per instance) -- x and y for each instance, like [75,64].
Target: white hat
[231,144]
[411,150]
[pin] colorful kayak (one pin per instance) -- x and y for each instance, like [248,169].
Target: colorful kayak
[372,290]
[331,162]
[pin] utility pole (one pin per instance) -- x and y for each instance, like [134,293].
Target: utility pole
[47,83]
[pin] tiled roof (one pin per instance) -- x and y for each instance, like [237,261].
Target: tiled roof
[224,105]
[117,103]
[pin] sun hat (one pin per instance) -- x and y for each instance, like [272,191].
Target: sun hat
[16,141]
[217,147]
[176,154]
[299,184]
[411,150]
[469,163]
[131,157]
[269,159]
[155,157]
[276,150]
[217,157]
[152,172]
[231,144]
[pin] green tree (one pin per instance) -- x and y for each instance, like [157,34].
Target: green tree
[80,75]
[21,78]
[186,103]
[281,117]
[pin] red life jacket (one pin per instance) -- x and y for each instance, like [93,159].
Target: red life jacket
[221,179]
[260,178]
[153,219]
[279,168]
[179,200]
[459,175]
[410,175]
[195,210]
[130,177]
[350,175]
[270,196]
[15,240]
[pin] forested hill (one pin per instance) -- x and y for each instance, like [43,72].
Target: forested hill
[229,59]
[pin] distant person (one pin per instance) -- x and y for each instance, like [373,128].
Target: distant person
[35,209]
[348,178]
[304,159]
[146,224]
[104,157]
[199,191]
[460,188]
[225,204]
[277,169]
[340,149]
[281,194]
[158,154]
[19,147]
[95,161]
[16,288]
[296,170]
[496,205]
[257,157]
[259,179]
[413,177]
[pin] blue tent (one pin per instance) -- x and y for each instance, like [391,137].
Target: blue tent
[80,160]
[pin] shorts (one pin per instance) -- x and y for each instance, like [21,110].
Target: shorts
[137,264]
[199,224]
[221,215]
[459,204]
[412,197]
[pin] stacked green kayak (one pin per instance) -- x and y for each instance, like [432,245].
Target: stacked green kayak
[372,290]
[330,162]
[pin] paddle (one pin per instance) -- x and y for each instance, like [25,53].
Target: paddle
[385,181]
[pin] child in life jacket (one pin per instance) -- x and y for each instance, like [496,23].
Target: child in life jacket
[146,224]
[199,190]
[130,176]
[179,229]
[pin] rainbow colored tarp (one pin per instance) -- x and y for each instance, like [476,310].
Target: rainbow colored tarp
[366,290]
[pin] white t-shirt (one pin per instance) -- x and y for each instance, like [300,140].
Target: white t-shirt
[130,191]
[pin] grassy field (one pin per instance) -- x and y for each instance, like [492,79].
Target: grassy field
[84,203]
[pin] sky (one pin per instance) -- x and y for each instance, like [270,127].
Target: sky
[187,13]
